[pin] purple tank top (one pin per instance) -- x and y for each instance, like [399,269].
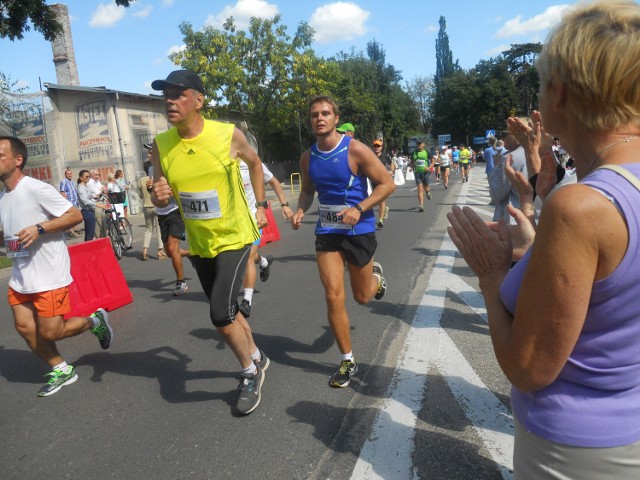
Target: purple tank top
[595,401]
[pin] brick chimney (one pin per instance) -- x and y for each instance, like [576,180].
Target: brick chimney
[64,56]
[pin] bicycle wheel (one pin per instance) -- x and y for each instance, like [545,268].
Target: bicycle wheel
[126,232]
[116,239]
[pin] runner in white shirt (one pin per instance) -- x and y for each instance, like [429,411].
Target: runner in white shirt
[445,164]
[263,263]
[34,217]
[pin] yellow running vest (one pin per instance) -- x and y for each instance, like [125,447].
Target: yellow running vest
[207,184]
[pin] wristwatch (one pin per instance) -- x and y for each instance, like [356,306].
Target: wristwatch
[263,204]
[358,207]
[285,204]
[41,230]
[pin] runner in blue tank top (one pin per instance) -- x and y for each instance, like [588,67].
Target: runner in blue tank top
[338,188]
[337,167]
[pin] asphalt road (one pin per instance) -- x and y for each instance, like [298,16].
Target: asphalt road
[428,402]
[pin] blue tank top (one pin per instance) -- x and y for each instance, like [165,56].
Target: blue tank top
[338,187]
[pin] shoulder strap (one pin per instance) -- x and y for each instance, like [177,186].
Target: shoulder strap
[623,172]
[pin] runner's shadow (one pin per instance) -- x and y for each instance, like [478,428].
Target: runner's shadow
[279,348]
[167,365]
[21,366]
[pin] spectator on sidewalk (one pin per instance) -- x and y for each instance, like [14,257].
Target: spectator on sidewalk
[152,228]
[68,189]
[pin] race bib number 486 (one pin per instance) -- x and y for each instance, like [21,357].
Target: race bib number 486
[200,205]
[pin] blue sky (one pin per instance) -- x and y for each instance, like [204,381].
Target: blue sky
[126,49]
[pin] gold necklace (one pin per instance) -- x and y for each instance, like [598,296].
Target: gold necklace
[624,140]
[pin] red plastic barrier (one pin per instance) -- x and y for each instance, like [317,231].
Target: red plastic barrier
[98,281]
[270,233]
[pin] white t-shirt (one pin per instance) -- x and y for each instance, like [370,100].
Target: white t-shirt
[46,265]
[248,188]
[95,187]
[445,158]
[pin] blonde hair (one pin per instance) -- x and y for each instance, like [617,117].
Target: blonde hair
[110,177]
[595,53]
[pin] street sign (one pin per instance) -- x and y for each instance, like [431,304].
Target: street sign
[479,140]
[442,139]
[490,133]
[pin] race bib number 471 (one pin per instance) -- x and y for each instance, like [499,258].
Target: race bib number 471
[200,205]
[329,217]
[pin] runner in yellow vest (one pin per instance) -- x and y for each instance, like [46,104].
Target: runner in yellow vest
[197,163]
[465,162]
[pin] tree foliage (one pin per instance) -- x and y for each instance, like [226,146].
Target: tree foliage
[263,74]
[520,60]
[444,56]
[16,14]
[467,103]
[371,98]
[422,91]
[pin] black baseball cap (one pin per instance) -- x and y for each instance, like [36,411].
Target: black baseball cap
[148,146]
[180,78]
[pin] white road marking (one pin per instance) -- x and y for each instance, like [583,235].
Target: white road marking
[388,451]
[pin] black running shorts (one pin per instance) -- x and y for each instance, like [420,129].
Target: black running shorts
[357,249]
[171,225]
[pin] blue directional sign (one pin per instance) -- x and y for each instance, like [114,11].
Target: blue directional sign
[442,139]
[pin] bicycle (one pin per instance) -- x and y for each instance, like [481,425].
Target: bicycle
[117,228]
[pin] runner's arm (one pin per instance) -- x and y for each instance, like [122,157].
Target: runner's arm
[161,193]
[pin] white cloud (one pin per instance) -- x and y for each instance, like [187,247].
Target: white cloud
[495,51]
[242,12]
[176,49]
[167,3]
[338,21]
[106,15]
[144,12]
[544,21]
[431,29]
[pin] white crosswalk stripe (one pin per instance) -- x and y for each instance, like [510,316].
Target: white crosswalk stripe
[388,452]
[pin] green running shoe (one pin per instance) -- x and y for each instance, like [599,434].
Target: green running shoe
[103,331]
[58,380]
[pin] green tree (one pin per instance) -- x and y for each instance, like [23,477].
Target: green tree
[445,68]
[444,56]
[462,94]
[15,15]
[422,91]
[263,74]
[391,100]
[370,96]
[498,95]
[521,59]
[356,94]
